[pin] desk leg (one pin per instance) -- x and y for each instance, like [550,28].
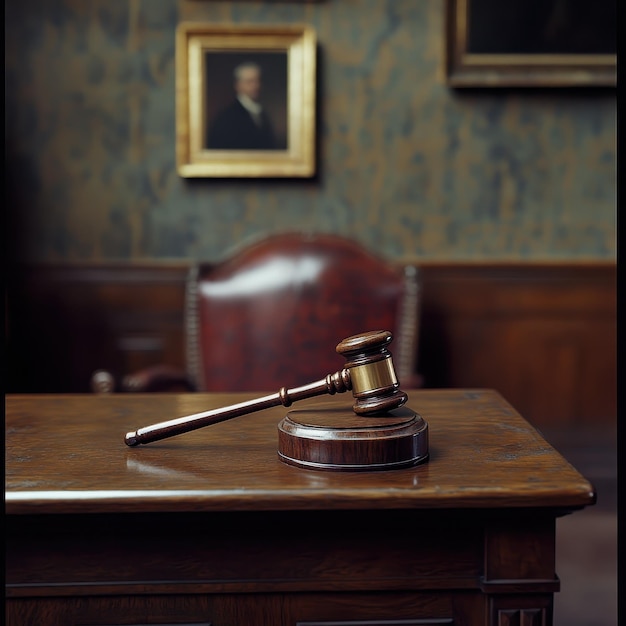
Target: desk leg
[519,571]
[512,610]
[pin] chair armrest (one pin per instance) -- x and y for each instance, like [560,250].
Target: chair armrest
[159,378]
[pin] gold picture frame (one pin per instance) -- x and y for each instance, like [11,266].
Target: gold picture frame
[214,136]
[490,43]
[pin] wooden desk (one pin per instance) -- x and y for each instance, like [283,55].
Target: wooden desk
[210,527]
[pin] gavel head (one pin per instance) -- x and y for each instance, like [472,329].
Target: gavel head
[374,381]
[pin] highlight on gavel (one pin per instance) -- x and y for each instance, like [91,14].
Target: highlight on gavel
[368,373]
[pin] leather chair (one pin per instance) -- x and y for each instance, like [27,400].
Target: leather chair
[272,313]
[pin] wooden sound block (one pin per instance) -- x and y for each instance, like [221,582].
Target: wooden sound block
[332,437]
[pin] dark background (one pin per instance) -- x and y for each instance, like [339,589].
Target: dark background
[542,26]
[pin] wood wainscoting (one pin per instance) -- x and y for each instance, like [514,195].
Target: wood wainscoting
[543,335]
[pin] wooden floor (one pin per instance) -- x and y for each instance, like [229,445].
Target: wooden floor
[586,553]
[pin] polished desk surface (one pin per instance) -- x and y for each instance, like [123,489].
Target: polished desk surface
[66,454]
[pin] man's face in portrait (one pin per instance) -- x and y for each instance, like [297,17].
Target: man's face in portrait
[248,83]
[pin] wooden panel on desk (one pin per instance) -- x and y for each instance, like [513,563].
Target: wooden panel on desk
[73,447]
[211,525]
[278,609]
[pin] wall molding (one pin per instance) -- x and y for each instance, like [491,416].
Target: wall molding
[542,334]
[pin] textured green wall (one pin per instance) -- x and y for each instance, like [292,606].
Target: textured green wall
[406,164]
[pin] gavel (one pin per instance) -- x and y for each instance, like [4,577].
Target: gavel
[368,373]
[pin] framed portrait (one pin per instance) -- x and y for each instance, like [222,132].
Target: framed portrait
[245,101]
[531,43]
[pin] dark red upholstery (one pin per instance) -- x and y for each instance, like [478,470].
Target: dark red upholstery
[272,313]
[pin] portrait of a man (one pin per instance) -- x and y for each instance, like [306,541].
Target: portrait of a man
[246,101]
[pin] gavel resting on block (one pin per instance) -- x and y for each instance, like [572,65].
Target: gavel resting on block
[368,373]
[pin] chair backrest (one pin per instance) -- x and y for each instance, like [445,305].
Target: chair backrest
[272,313]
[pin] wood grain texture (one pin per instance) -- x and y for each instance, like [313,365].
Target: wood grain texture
[246,551]
[212,527]
[334,438]
[117,317]
[543,335]
[314,609]
[67,454]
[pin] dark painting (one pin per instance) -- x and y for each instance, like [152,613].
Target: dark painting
[542,27]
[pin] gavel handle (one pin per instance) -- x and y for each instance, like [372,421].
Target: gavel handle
[338,382]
